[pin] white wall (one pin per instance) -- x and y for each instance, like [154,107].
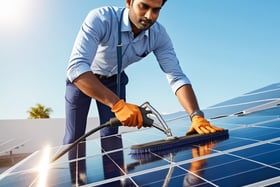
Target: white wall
[40,132]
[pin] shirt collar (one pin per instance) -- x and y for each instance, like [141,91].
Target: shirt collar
[126,26]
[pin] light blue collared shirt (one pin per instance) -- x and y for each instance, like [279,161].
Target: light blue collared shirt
[95,47]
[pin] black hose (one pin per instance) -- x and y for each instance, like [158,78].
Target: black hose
[113,122]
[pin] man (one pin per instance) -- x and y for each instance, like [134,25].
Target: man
[93,67]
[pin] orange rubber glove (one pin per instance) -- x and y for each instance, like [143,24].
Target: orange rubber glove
[128,114]
[201,126]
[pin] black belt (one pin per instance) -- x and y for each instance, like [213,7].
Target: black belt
[104,77]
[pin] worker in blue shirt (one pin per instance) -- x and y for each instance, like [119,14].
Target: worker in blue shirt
[93,67]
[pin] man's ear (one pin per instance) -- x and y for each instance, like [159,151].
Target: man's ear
[128,3]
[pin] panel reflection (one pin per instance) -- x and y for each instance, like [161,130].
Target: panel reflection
[112,163]
[193,175]
[197,165]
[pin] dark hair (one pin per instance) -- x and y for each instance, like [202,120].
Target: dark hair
[163,2]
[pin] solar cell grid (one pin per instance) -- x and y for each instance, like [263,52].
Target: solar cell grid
[249,156]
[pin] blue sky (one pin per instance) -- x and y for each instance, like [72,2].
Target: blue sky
[226,48]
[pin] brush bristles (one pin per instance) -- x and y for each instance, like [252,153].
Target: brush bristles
[171,144]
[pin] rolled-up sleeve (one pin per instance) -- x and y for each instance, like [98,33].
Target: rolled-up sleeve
[85,46]
[168,60]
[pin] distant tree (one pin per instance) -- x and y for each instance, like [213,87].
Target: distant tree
[39,111]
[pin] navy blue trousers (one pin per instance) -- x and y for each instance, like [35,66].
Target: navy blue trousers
[77,106]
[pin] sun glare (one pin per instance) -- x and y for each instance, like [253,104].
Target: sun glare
[44,167]
[14,13]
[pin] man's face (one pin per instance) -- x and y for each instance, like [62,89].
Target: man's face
[143,13]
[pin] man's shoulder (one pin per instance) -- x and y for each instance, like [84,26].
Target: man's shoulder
[158,28]
[105,11]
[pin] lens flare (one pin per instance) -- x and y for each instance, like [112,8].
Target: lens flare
[44,167]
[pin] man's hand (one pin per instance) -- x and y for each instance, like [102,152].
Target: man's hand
[128,114]
[201,126]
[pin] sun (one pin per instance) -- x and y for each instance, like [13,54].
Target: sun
[13,13]
[9,10]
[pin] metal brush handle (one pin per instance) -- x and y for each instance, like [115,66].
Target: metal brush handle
[164,128]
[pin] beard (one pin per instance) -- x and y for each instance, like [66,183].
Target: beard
[139,24]
[144,24]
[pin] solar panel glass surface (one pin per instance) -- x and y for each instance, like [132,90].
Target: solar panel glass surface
[249,156]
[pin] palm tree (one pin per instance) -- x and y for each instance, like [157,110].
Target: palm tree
[39,111]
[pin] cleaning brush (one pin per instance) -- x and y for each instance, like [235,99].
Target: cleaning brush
[176,142]
[171,141]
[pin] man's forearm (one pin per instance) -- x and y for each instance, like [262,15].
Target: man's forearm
[187,98]
[89,84]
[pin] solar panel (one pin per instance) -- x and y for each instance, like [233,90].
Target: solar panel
[248,157]
[8,146]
